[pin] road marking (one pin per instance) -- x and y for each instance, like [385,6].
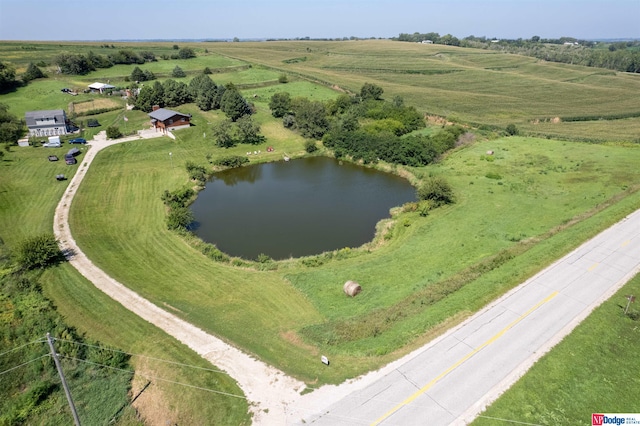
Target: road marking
[463,359]
[594,266]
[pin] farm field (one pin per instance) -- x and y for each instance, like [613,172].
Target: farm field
[516,211]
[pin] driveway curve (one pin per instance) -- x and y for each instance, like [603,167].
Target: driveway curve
[267,389]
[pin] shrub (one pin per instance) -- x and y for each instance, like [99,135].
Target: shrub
[283,79]
[38,252]
[179,218]
[231,161]
[196,172]
[178,72]
[437,190]
[310,147]
[206,70]
[113,132]
[512,130]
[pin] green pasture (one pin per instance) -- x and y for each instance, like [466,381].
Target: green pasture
[593,370]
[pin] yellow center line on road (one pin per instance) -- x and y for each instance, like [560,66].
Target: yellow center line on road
[463,359]
[594,266]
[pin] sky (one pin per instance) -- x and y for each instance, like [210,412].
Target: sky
[251,19]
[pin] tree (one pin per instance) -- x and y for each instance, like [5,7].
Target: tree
[233,104]
[178,72]
[249,131]
[175,93]
[370,91]
[186,53]
[38,252]
[7,76]
[206,70]
[311,117]
[32,73]
[437,190]
[73,64]
[203,91]
[11,128]
[280,104]
[223,134]
[137,75]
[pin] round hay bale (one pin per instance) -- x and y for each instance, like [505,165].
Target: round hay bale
[352,288]
[490,152]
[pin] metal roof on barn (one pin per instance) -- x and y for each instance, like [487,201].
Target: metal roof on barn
[162,114]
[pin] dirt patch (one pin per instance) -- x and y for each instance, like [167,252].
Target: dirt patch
[440,121]
[150,402]
[293,338]
[100,103]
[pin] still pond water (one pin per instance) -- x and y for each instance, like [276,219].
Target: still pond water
[296,208]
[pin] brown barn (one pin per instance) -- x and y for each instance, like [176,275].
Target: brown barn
[165,119]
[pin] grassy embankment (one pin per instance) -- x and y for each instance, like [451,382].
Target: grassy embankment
[288,317]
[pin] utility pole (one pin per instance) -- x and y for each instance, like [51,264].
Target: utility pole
[64,382]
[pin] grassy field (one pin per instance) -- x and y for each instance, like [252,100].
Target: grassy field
[593,370]
[516,211]
[477,86]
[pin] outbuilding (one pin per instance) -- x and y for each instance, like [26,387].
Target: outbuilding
[100,87]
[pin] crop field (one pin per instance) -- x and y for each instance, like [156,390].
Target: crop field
[516,211]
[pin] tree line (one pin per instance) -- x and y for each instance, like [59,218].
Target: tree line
[619,56]
[78,64]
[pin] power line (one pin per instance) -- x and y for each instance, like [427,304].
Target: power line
[147,376]
[23,364]
[22,346]
[147,357]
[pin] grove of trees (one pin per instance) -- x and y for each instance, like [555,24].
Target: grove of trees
[365,127]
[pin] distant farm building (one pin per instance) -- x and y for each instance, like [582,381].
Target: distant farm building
[100,87]
[427,42]
[47,122]
[165,119]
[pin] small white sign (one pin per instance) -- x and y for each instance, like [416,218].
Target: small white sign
[325,360]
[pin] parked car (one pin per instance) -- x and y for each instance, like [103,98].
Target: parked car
[92,122]
[78,140]
[54,142]
[70,160]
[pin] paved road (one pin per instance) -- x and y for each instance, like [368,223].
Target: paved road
[453,378]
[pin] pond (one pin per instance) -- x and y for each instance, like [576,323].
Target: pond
[297,208]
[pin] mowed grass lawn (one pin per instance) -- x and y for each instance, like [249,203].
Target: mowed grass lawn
[29,194]
[593,370]
[288,317]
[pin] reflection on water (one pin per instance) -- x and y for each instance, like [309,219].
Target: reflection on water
[296,208]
